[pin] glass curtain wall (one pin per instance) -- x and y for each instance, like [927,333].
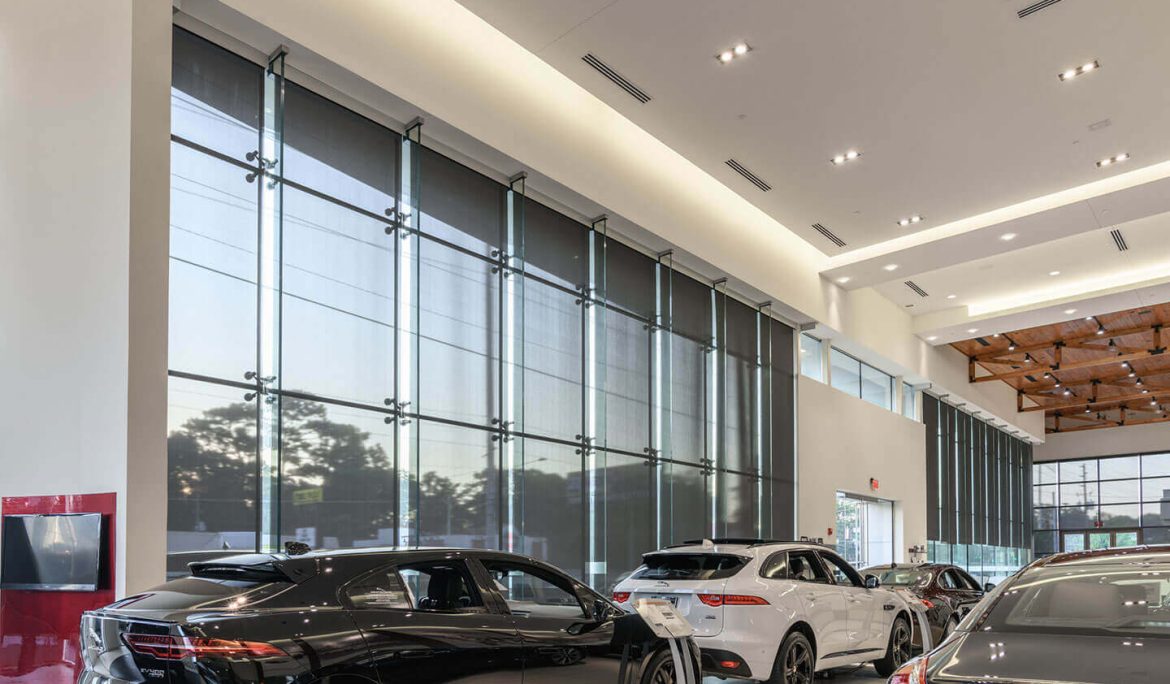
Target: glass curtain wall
[372,344]
[978,492]
[1098,503]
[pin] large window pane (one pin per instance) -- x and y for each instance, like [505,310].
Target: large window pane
[627,382]
[1120,491]
[1078,494]
[1156,489]
[739,413]
[909,409]
[337,476]
[1044,518]
[845,372]
[629,514]
[1077,518]
[1045,495]
[1044,473]
[338,152]
[338,305]
[736,509]
[1155,465]
[458,487]
[211,472]
[1156,514]
[213,266]
[459,205]
[1078,471]
[1120,515]
[876,387]
[215,96]
[688,403]
[811,357]
[552,362]
[1120,468]
[684,515]
[553,518]
[459,335]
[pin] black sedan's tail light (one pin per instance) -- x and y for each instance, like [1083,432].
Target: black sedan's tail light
[166,647]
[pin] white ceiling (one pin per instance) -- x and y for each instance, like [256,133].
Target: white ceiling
[955,106]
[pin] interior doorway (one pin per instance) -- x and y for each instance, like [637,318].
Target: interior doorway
[865,529]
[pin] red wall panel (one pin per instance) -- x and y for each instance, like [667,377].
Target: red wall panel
[38,629]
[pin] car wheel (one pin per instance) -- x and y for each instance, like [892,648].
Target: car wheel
[794,662]
[898,650]
[661,669]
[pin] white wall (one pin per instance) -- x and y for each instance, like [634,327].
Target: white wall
[1133,439]
[84,212]
[842,442]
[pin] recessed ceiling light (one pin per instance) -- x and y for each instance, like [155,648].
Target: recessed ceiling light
[1054,273]
[843,279]
[1088,318]
[1115,159]
[951,296]
[1007,237]
[890,267]
[1069,312]
[1069,74]
[907,221]
[972,330]
[729,54]
[932,338]
[845,157]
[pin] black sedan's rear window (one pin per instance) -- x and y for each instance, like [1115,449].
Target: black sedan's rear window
[689,566]
[200,593]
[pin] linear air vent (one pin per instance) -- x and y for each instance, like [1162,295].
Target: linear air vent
[983,341]
[917,290]
[755,180]
[618,80]
[829,235]
[1036,7]
[1118,239]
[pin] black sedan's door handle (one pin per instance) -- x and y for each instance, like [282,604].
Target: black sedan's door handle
[417,654]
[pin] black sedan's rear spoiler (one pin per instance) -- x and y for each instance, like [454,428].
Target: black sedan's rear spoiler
[256,567]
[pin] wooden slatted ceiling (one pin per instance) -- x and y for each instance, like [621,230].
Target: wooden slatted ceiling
[1082,379]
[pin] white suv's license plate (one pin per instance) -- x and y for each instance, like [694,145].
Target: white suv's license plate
[667,597]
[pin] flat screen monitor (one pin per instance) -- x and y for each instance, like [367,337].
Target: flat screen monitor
[52,552]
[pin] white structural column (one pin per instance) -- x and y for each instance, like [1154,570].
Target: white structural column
[84,214]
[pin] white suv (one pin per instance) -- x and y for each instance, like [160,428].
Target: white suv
[774,611]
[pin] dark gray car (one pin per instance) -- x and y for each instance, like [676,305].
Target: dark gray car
[1092,617]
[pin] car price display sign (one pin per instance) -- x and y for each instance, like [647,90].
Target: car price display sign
[665,622]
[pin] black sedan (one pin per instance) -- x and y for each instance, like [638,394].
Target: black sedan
[946,591]
[1091,617]
[369,616]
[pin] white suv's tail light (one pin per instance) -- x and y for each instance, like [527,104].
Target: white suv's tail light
[717,600]
[621,596]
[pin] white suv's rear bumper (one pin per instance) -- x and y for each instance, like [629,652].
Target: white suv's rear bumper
[755,650]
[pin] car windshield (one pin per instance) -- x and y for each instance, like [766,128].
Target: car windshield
[688,566]
[1127,595]
[900,577]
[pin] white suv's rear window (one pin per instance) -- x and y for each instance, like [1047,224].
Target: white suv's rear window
[688,566]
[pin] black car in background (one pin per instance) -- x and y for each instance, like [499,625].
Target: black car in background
[370,616]
[1091,617]
[947,592]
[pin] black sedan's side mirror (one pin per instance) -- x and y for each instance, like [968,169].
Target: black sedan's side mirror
[988,586]
[872,582]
